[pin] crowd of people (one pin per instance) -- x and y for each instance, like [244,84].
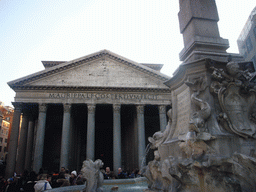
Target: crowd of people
[32,182]
[120,174]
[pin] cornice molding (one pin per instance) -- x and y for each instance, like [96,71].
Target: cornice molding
[74,63]
[76,88]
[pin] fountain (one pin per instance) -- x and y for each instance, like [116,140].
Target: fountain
[209,142]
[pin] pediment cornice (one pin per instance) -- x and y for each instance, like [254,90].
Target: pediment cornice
[74,63]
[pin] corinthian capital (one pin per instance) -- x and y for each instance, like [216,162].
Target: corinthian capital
[116,108]
[67,107]
[17,106]
[162,109]
[42,107]
[140,109]
[91,108]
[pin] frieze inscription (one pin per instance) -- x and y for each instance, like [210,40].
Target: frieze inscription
[98,96]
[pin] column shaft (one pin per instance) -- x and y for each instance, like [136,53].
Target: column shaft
[90,132]
[65,140]
[117,138]
[40,134]
[13,144]
[22,145]
[162,117]
[141,135]
[29,149]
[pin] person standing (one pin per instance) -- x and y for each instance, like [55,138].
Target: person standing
[108,174]
[42,184]
[72,179]
[121,174]
[63,182]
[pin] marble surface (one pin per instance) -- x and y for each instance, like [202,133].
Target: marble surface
[124,185]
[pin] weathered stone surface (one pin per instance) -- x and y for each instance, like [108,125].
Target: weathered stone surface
[94,177]
[103,73]
[214,150]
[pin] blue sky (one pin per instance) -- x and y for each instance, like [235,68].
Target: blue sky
[145,31]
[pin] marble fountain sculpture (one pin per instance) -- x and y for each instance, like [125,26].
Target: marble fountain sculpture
[209,142]
[94,177]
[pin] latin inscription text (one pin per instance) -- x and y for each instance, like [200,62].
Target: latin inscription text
[102,96]
[183,111]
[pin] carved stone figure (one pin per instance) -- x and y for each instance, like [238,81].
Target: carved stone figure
[160,137]
[214,173]
[94,177]
[199,117]
[205,160]
[154,174]
[236,94]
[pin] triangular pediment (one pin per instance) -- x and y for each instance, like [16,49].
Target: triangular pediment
[101,69]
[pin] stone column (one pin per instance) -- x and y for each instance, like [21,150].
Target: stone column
[90,132]
[162,117]
[39,142]
[22,144]
[65,140]
[141,134]
[13,144]
[117,137]
[29,149]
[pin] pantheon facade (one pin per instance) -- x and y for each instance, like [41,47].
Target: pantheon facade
[101,106]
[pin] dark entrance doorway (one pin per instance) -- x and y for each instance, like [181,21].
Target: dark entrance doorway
[52,141]
[129,137]
[79,135]
[104,134]
[152,125]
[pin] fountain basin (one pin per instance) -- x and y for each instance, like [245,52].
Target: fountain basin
[124,185]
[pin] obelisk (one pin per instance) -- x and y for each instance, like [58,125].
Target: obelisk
[199,26]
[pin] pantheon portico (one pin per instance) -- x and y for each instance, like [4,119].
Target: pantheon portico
[101,106]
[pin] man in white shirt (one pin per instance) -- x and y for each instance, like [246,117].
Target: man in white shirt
[42,184]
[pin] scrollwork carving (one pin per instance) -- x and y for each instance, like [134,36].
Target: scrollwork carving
[235,89]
